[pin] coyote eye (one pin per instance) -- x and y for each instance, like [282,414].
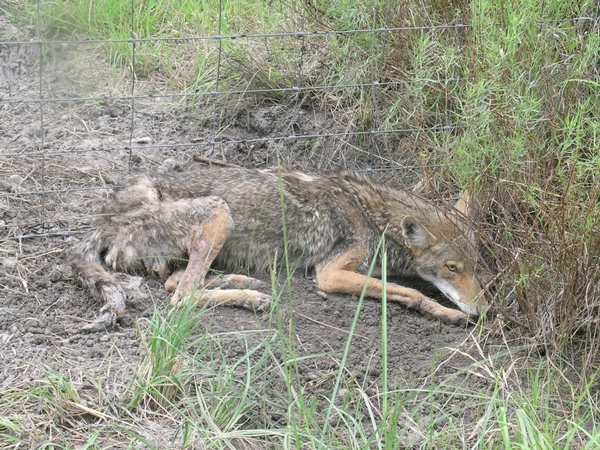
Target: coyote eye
[452,267]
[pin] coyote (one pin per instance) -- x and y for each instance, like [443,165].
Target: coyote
[244,218]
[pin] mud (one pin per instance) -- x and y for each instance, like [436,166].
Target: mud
[57,166]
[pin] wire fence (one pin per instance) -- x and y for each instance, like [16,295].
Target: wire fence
[67,138]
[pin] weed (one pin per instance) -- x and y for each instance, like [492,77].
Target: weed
[162,371]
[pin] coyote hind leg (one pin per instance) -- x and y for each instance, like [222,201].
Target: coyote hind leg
[207,239]
[140,233]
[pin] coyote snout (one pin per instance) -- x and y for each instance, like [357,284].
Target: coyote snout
[236,218]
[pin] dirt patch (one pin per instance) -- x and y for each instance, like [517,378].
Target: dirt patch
[57,166]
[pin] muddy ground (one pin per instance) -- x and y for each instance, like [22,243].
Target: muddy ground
[58,165]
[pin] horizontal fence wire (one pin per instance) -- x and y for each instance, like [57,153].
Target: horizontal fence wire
[299,34]
[290,90]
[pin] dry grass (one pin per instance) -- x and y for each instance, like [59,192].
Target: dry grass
[519,91]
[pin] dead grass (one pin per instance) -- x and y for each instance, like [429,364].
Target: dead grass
[519,95]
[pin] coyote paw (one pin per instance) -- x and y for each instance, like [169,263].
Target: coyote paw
[243,298]
[105,321]
[261,303]
[434,310]
[113,310]
[457,318]
[247,299]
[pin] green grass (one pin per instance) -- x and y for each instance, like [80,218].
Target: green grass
[527,101]
[531,152]
[195,387]
[240,390]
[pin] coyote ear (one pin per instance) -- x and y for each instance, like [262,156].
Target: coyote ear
[415,234]
[462,205]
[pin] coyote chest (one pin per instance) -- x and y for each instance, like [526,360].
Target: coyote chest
[257,218]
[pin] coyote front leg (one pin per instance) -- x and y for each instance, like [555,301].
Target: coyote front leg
[206,241]
[339,276]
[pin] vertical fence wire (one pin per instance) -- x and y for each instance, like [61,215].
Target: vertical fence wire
[302,48]
[379,37]
[132,100]
[215,91]
[41,107]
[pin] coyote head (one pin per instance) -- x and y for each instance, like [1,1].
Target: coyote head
[444,253]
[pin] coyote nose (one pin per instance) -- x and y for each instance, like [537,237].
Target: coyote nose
[480,303]
[484,307]
[476,309]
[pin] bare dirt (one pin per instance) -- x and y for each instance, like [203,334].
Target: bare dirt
[57,167]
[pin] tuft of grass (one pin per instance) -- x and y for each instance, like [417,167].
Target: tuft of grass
[162,371]
[271,63]
[242,389]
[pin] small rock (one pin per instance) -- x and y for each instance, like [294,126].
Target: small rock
[142,141]
[16,179]
[374,372]
[171,164]
[66,272]
[371,391]
[312,376]
[115,112]
[55,276]
[8,263]
[41,282]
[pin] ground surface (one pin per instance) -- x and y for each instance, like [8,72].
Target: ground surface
[84,143]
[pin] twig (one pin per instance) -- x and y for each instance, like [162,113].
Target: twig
[216,162]
[330,326]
